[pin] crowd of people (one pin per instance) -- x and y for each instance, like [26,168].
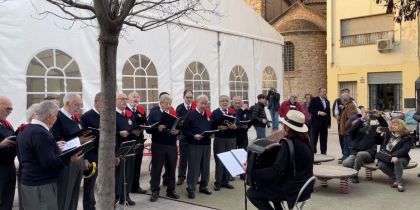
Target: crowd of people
[47,180]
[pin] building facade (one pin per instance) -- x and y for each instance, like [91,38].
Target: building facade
[302,23]
[376,58]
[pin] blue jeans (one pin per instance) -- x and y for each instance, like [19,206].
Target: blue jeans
[395,171]
[274,118]
[346,146]
[260,132]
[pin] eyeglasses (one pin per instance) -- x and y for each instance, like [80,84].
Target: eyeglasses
[189,97]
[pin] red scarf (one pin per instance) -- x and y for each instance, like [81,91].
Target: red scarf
[7,124]
[76,117]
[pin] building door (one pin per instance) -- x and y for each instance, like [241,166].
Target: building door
[352,86]
[385,91]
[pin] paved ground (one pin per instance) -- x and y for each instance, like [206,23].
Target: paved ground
[373,195]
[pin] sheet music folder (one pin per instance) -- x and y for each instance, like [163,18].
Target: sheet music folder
[233,161]
[83,132]
[226,120]
[86,147]
[208,133]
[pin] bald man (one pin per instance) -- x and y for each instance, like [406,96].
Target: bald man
[7,156]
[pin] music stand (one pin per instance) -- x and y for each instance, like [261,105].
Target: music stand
[127,149]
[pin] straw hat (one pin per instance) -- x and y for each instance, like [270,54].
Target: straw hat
[295,120]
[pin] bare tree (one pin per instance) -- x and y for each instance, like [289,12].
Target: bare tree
[111,16]
[405,10]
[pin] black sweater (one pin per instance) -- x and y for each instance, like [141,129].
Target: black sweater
[39,156]
[195,123]
[91,119]
[365,137]
[280,177]
[64,127]
[123,124]
[215,121]
[163,137]
[8,154]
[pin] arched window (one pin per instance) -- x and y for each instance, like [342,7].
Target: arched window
[52,73]
[139,75]
[289,56]
[197,79]
[238,83]
[269,79]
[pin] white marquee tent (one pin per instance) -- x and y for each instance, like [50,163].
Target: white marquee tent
[233,53]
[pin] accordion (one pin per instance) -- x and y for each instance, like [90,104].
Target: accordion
[262,153]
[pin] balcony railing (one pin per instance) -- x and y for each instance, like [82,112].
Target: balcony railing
[365,39]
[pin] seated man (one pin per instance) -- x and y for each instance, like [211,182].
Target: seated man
[364,138]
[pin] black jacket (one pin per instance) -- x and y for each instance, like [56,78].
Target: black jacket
[258,114]
[314,107]
[164,137]
[91,119]
[273,99]
[64,127]
[364,137]
[7,154]
[195,123]
[401,149]
[281,178]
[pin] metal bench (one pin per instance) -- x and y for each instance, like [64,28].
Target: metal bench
[370,167]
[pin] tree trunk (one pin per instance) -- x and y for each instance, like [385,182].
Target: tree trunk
[106,171]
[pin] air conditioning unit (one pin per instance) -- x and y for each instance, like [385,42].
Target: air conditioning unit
[384,45]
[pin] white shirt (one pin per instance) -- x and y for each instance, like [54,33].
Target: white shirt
[130,107]
[118,110]
[95,110]
[66,113]
[186,106]
[38,122]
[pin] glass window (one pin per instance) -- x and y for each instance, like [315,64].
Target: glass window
[139,74]
[197,79]
[289,56]
[238,83]
[269,79]
[52,73]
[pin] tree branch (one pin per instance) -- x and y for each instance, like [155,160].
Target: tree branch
[63,7]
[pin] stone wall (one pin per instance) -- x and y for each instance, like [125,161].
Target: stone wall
[257,5]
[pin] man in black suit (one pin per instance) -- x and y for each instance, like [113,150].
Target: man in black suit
[181,111]
[7,156]
[139,114]
[67,124]
[163,150]
[125,131]
[91,119]
[319,107]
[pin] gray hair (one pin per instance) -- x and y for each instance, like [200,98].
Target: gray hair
[69,97]
[345,97]
[224,96]
[133,93]
[165,97]
[98,97]
[237,98]
[31,111]
[202,97]
[45,108]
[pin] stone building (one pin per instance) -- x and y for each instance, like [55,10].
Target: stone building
[303,25]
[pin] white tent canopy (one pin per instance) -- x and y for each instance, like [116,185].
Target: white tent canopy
[240,52]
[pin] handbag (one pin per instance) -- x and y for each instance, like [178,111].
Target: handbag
[384,156]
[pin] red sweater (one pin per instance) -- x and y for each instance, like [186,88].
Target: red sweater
[286,106]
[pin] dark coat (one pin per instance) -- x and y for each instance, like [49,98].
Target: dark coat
[258,114]
[401,149]
[280,178]
[314,107]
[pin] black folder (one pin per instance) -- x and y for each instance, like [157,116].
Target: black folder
[84,131]
[209,132]
[141,120]
[145,127]
[178,123]
[86,147]
[167,119]
[226,120]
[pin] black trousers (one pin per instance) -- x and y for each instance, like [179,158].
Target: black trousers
[126,166]
[183,159]
[322,132]
[89,201]
[221,145]
[7,186]
[242,139]
[163,155]
[137,168]
[259,199]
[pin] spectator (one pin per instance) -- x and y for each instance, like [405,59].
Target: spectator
[258,116]
[305,111]
[349,110]
[290,104]
[273,105]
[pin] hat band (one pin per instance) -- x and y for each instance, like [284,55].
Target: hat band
[293,122]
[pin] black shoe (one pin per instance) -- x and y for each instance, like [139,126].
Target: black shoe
[191,195]
[180,181]
[227,185]
[139,190]
[355,179]
[128,202]
[205,191]
[418,175]
[216,187]
[172,195]
[242,176]
[154,196]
